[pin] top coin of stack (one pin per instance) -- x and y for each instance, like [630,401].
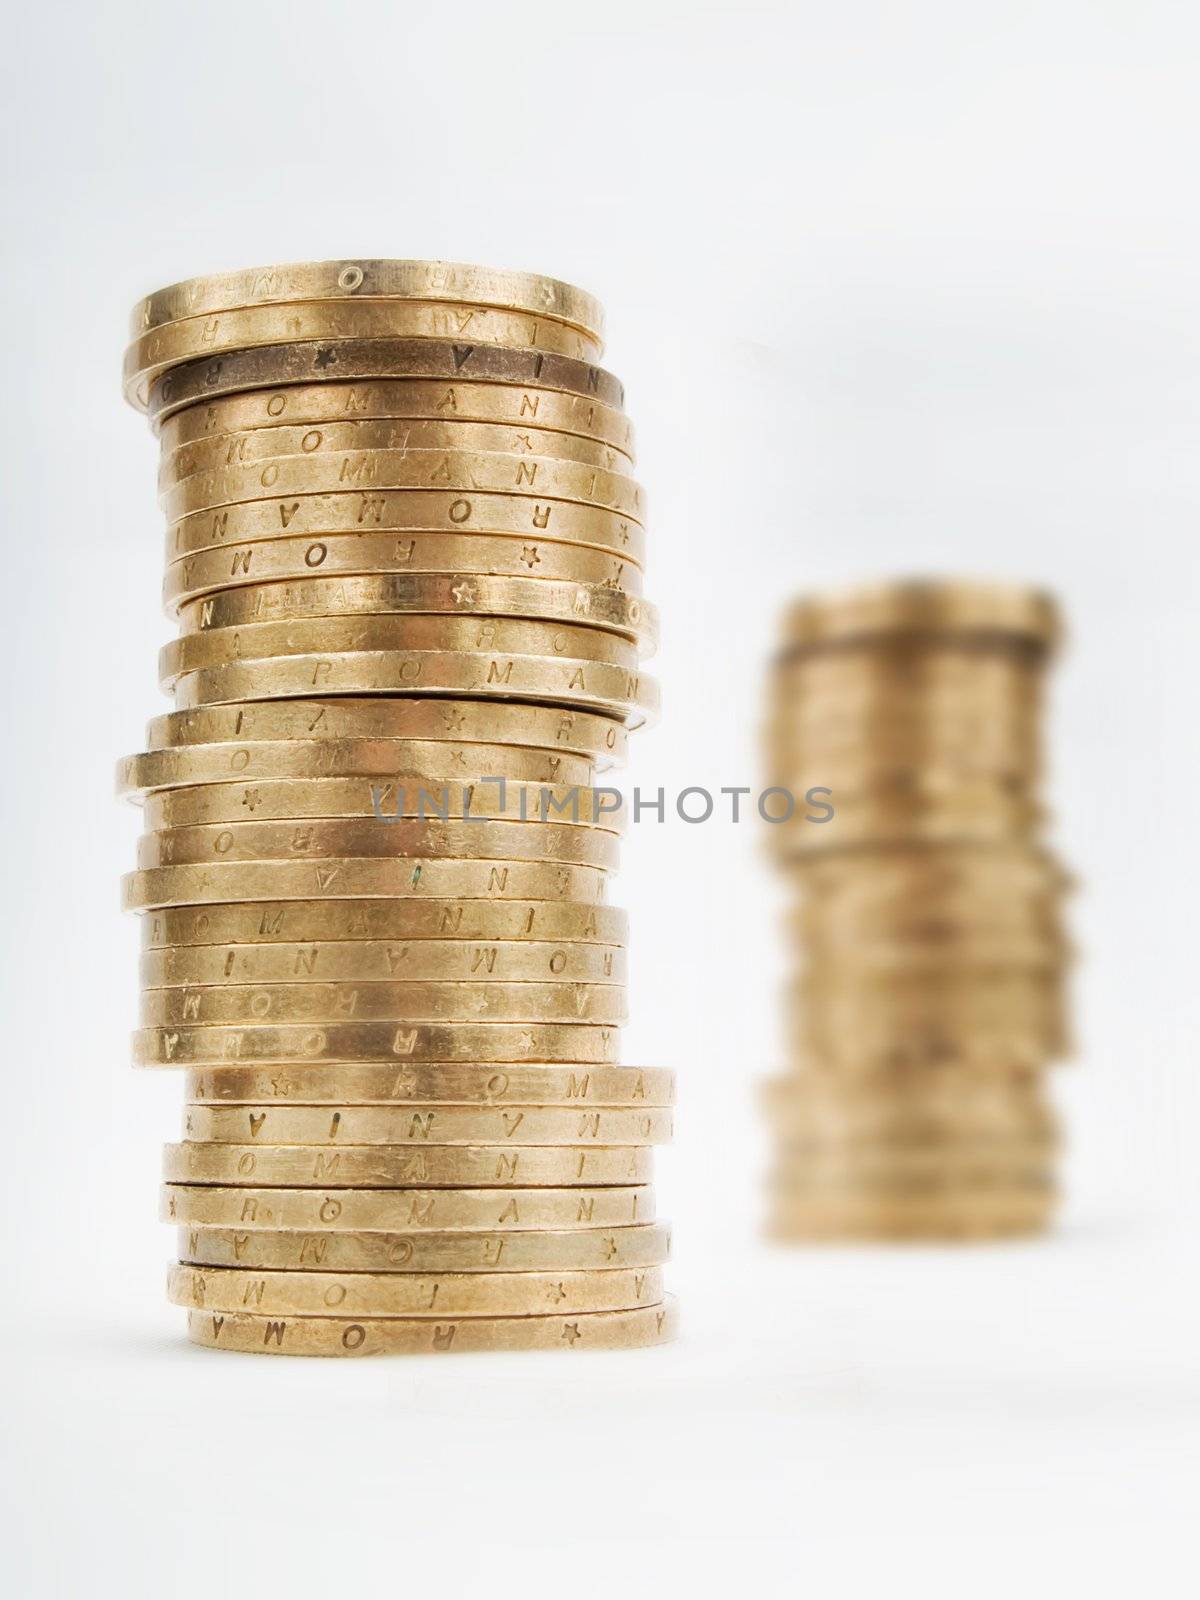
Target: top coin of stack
[928,997]
[405,553]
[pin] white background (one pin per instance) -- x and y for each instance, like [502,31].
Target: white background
[894,288]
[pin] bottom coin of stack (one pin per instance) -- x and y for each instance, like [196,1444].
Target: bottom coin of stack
[926,929]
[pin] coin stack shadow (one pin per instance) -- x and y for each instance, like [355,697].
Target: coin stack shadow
[928,994]
[405,554]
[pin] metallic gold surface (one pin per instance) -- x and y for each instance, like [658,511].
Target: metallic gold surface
[457,282]
[213,883]
[327,838]
[405,1294]
[631,697]
[400,1166]
[329,1336]
[542,1250]
[430,594]
[254,1044]
[387,765]
[436,469]
[409,796]
[354,359]
[415,399]
[267,922]
[444,1083]
[501,636]
[459,722]
[290,560]
[172,344]
[238,450]
[509,1124]
[364,961]
[406,1210]
[222,1005]
[366,510]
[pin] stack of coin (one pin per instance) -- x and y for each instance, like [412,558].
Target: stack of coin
[926,931]
[405,554]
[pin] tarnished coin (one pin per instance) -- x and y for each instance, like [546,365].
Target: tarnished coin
[350,360]
[174,344]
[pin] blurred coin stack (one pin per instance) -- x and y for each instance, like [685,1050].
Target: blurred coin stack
[404,552]
[926,930]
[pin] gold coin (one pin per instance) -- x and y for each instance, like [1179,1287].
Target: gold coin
[374,1041]
[922,608]
[319,403]
[458,282]
[429,1124]
[895,1217]
[366,961]
[442,1083]
[330,1336]
[399,1166]
[285,922]
[439,470]
[555,680]
[393,764]
[268,641]
[350,879]
[388,800]
[239,450]
[567,1250]
[814,1163]
[174,344]
[426,594]
[874,824]
[368,838]
[286,1003]
[459,721]
[405,1294]
[286,560]
[370,510]
[406,1210]
[1035,1183]
[349,360]
[931,950]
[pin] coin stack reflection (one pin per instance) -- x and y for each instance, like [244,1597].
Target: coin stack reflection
[405,553]
[926,929]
